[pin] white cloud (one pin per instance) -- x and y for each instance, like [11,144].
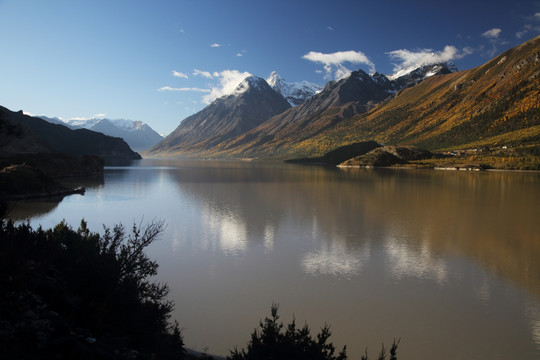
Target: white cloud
[492,34]
[221,83]
[179,74]
[330,28]
[206,74]
[215,45]
[537,16]
[467,51]
[334,62]
[412,59]
[100,115]
[493,37]
[168,88]
[239,54]
[228,81]
[524,30]
[527,28]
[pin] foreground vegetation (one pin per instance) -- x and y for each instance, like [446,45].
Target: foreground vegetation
[74,294]
[274,340]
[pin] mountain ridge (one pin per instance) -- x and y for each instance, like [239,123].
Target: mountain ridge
[295,93]
[139,135]
[20,133]
[352,95]
[432,107]
[252,102]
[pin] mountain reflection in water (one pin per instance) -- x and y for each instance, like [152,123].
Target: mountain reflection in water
[448,261]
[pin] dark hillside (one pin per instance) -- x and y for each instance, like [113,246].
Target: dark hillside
[23,134]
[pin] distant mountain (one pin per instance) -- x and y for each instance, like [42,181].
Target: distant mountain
[274,135]
[295,93]
[496,104]
[433,107]
[339,100]
[418,72]
[20,133]
[137,134]
[415,75]
[252,103]
[54,120]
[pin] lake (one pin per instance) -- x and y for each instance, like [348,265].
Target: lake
[446,261]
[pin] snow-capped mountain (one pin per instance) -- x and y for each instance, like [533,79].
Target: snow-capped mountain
[251,82]
[137,134]
[424,71]
[252,103]
[295,93]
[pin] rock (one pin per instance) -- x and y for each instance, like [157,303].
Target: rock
[388,156]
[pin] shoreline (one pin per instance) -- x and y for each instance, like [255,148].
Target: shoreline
[435,168]
[43,195]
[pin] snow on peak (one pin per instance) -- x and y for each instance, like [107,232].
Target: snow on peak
[275,81]
[426,70]
[251,82]
[295,93]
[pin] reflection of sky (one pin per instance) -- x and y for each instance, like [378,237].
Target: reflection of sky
[416,261]
[335,260]
[533,312]
[213,224]
[226,228]
[269,235]
[334,257]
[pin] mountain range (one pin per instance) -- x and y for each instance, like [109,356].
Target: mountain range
[434,107]
[295,93]
[23,134]
[266,126]
[137,134]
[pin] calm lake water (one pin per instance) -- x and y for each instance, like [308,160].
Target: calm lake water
[447,261]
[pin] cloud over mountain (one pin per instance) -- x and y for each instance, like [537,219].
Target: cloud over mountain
[334,62]
[406,59]
[222,83]
[228,80]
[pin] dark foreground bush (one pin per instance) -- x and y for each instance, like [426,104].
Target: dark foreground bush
[275,341]
[72,294]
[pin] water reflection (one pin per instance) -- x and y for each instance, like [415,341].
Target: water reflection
[225,228]
[418,215]
[533,312]
[418,261]
[35,208]
[336,258]
[420,255]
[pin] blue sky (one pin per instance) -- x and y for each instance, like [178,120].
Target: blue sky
[160,61]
